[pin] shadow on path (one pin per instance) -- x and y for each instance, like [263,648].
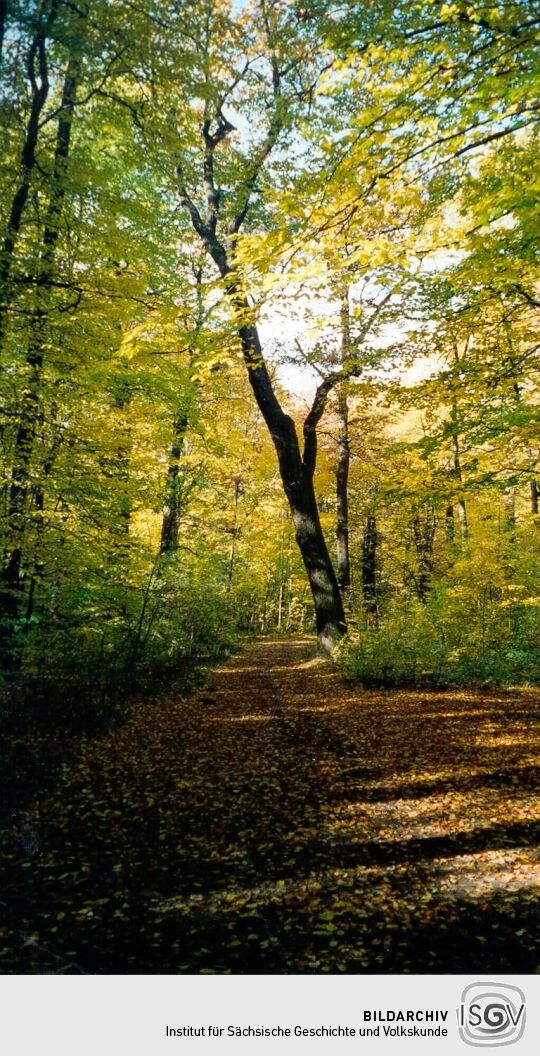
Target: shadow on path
[283,821]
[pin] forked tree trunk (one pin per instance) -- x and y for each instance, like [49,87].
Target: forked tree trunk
[296,468]
[296,471]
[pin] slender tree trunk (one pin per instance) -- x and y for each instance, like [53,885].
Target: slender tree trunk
[172,507]
[424,537]
[344,457]
[122,469]
[342,499]
[170,522]
[24,439]
[456,458]
[280,605]
[461,505]
[36,573]
[3,20]
[535,496]
[283,576]
[463,519]
[534,489]
[450,523]
[134,650]
[369,571]
[38,76]
[510,511]
[234,533]
[10,575]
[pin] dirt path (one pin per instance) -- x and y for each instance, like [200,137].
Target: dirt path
[283,821]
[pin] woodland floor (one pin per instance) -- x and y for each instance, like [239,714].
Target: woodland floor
[283,821]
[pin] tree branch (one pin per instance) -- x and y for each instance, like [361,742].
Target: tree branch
[211,141]
[528,297]
[309,457]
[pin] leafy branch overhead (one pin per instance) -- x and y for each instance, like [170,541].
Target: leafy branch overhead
[268,313]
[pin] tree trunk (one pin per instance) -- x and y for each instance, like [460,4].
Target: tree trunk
[456,459]
[296,473]
[280,605]
[424,538]
[36,573]
[10,573]
[234,534]
[369,571]
[461,506]
[122,460]
[535,496]
[172,507]
[174,497]
[342,499]
[450,523]
[534,489]
[3,19]
[463,520]
[510,512]
[344,457]
[296,469]
[329,613]
[38,76]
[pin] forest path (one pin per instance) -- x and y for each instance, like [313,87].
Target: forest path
[281,820]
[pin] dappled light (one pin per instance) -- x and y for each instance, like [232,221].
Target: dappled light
[269,486]
[494,871]
[253,827]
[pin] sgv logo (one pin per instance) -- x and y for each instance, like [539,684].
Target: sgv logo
[491,1014]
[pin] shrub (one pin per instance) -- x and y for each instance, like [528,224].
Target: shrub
[448,642]
[80,662]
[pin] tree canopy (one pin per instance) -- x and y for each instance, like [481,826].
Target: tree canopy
[269,296]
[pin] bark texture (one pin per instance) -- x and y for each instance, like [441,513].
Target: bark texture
[170,521]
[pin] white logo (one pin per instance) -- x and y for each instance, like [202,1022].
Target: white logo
[491,1014]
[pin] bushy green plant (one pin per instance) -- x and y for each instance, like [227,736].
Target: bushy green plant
[81,660]
[448,642]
